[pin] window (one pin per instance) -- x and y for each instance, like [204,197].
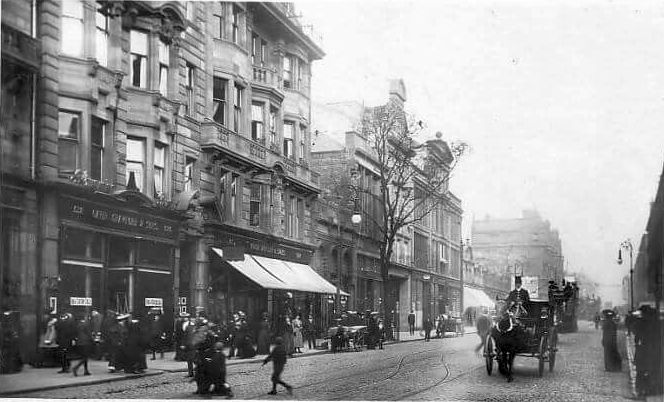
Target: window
[255,204]
[138,43]
[233,197]
[97,135]
[164,62]
[236,24]
[219,100]
[101,39]
[290,216]
[288,72]
[299,210]
[72,27]
[189,174]
[237,106]
[303,131]
[288,139]
[136,160]
[190,71]
[273,127]
[254,49]
[218,32]
[69,128]
[263,53]
[159,167]
[257,122]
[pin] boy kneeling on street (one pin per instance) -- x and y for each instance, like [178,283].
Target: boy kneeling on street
[278,356]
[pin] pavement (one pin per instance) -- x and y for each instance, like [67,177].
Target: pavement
[32,379]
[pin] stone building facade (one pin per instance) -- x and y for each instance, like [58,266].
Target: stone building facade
[425,271]
[525,246]
[138,137]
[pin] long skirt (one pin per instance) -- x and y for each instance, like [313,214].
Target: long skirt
[612,359]
[298,341]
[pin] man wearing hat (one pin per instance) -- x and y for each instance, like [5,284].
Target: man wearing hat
[518,296]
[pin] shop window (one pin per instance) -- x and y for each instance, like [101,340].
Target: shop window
[80,281]
[159,167]
[120,252]
[154,254]
[138,44]
[164,62]
[237,107]
[101,38]
[255,204]
[257,120]
[69,128]
[219,100]
[136,160]
[72,28]
[97,135]
[190,71]
[289,134]
[82,244]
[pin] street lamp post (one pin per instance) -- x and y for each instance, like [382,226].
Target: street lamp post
[627,245]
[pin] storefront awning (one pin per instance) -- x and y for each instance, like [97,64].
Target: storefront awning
[476,298]
[271,273]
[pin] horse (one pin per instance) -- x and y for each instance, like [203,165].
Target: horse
[483,325]
[508,336]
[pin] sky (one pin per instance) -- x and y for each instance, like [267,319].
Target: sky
[561,102]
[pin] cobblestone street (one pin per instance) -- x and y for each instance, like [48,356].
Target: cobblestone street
[443,369]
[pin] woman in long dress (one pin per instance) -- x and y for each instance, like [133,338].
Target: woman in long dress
[298,340]
[612,359]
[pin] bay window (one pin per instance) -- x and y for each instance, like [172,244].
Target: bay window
[219,100]
[69,130]
[257,122]
[288,72]
[72,28]
[189,174]
[237,108]
[159,167]
[138,46]
[236,24]
[190,71]
[101,38]
[97,135]
[218,30]
[289,129]
[164,61]
[136,160]
[273,127]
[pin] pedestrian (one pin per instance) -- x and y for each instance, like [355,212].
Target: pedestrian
[309,327]
[190,342]
[65,330]
[83,345]
[411,322]
[598,320]
[96,321]
[612,359]
[288,336]
[648,348]
[278,357]
[157,335]
[428,326]
[263,338]
[298,340]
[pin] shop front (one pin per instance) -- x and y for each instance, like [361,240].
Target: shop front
[114,256]
[258,276]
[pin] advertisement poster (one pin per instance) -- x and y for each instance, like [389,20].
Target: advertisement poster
[530,284]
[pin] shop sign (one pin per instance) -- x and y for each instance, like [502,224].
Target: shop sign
[530,283]
[80,301]
[100,215]
[262,247]
[154,302]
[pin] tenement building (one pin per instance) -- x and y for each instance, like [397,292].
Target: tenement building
[155,155]
[525,246]
[425,269]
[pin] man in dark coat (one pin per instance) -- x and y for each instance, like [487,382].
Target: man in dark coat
[65,332]
[278,357]
[411,322]
[517,297]
[612,359]
[310,331]
[428,326]
[157,335]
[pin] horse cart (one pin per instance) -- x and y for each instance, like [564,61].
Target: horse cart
[528,330]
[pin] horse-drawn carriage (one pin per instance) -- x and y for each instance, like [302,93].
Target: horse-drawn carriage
[527,329]
[348,333]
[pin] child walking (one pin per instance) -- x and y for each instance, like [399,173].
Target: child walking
[278,357]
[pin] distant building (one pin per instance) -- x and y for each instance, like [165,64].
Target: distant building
[525,246]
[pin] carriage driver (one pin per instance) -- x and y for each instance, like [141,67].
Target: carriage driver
[518,296]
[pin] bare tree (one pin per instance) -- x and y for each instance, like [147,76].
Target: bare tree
[413,176]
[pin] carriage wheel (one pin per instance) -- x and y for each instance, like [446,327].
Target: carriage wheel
[553,344]
[542,355]
[489,354]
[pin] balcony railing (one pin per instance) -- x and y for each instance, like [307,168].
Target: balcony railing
[216,136]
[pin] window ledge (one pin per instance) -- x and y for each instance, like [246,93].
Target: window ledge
[230,42]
